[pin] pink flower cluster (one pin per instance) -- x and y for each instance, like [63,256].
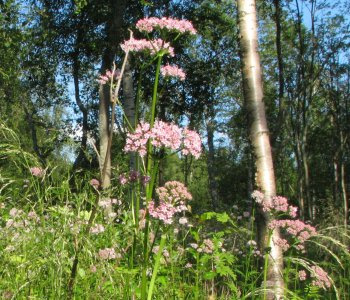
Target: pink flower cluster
[108,202]
[94,183]
[174,192]
[37,171]
[282,243]
[208,246]
[137,141]
[278,203]
[149,24]
[296,228]
[172,199]
[173,71]
[133,176]
[96,229]
[321,277]
[164,211]
[163,135]
[166,135]
[302,275]
[103,79]
[107,253]
[153,46]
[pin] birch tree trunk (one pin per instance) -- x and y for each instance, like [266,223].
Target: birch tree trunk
[259,135]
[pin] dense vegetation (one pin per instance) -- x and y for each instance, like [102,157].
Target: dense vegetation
[128,168]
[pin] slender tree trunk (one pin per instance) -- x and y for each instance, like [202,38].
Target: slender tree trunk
[343,180]
[129,104]
[259,135]
[36,148]
[281,102]
[81,158]
[113,28]
[213,190]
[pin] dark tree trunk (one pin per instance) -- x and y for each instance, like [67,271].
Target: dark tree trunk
[129,104]
[213,187]
[81,159]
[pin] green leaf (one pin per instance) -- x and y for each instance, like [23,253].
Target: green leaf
[17,259]
[209,275]
[81,273]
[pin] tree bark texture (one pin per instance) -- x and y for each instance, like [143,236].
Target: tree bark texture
[259,135]
[81,158]
[129,104]
[113,30]
[213,187]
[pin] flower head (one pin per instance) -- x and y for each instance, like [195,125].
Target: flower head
[94,183]
[302,275]
[149,24]
[153,47]
[107,253]
[37,171]
[172,71]
[108,76]
[163,134]
[192,143]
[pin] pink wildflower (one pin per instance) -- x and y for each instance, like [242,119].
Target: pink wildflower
[107,202]
[107,253]
[149,24]
[153,47]
[167,135]
[296,228]
[123,179]
[137,141]
[194,245]
[192,143]
[164,211]
[96,229]
[174,192]
[183,221]
[37,172]
[251,243]
[280,203]
[208,246]
[282,243]
[258,196]
[172,197]
[293,211]
[321,277]
[173,71]
[302,275]
[155,249]
[93,269]
[103,79]
[14,212]
[95,183]
[134,175]
[163,135]
[145,179]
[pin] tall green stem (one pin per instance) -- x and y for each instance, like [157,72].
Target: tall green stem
[156,267]
[155,91]
[150,171]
